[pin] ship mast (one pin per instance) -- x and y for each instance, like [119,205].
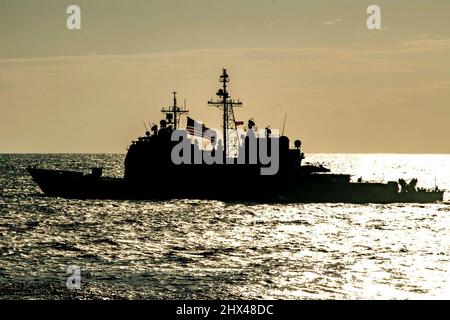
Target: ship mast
[173,113]
[226,104]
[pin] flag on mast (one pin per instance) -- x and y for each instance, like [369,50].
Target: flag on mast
[195,128]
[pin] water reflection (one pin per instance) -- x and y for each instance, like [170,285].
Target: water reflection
[201,249]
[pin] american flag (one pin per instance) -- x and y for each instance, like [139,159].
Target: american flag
[192,127]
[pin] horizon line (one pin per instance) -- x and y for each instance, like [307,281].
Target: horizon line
[314,153]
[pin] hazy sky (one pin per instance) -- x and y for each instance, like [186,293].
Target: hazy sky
[344,88]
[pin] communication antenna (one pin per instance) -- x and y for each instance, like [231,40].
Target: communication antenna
[147,133]
[284,124]
[173,113]
[226,105]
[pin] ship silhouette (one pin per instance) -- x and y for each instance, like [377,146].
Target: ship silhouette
[150,172]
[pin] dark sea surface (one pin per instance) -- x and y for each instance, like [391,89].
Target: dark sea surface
[211,249]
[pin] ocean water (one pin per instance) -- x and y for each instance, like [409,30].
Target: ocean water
[184,249]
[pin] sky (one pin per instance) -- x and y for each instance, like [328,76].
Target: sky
[344,88]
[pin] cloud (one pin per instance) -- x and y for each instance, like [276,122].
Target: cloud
[304,62]
[430,44]
[338,84]
[333,22]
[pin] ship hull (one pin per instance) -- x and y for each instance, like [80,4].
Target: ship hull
[68,184]
[358,193]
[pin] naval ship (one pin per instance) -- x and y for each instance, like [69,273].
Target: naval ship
[151,174]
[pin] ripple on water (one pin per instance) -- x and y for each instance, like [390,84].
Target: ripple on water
[211,249]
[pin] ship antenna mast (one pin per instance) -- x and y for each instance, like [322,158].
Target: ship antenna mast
[284,124]
[226,104]
[173,113]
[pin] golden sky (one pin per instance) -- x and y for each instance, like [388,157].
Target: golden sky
[344,88]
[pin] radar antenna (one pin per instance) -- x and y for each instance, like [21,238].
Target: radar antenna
[226,104]
[173,113]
